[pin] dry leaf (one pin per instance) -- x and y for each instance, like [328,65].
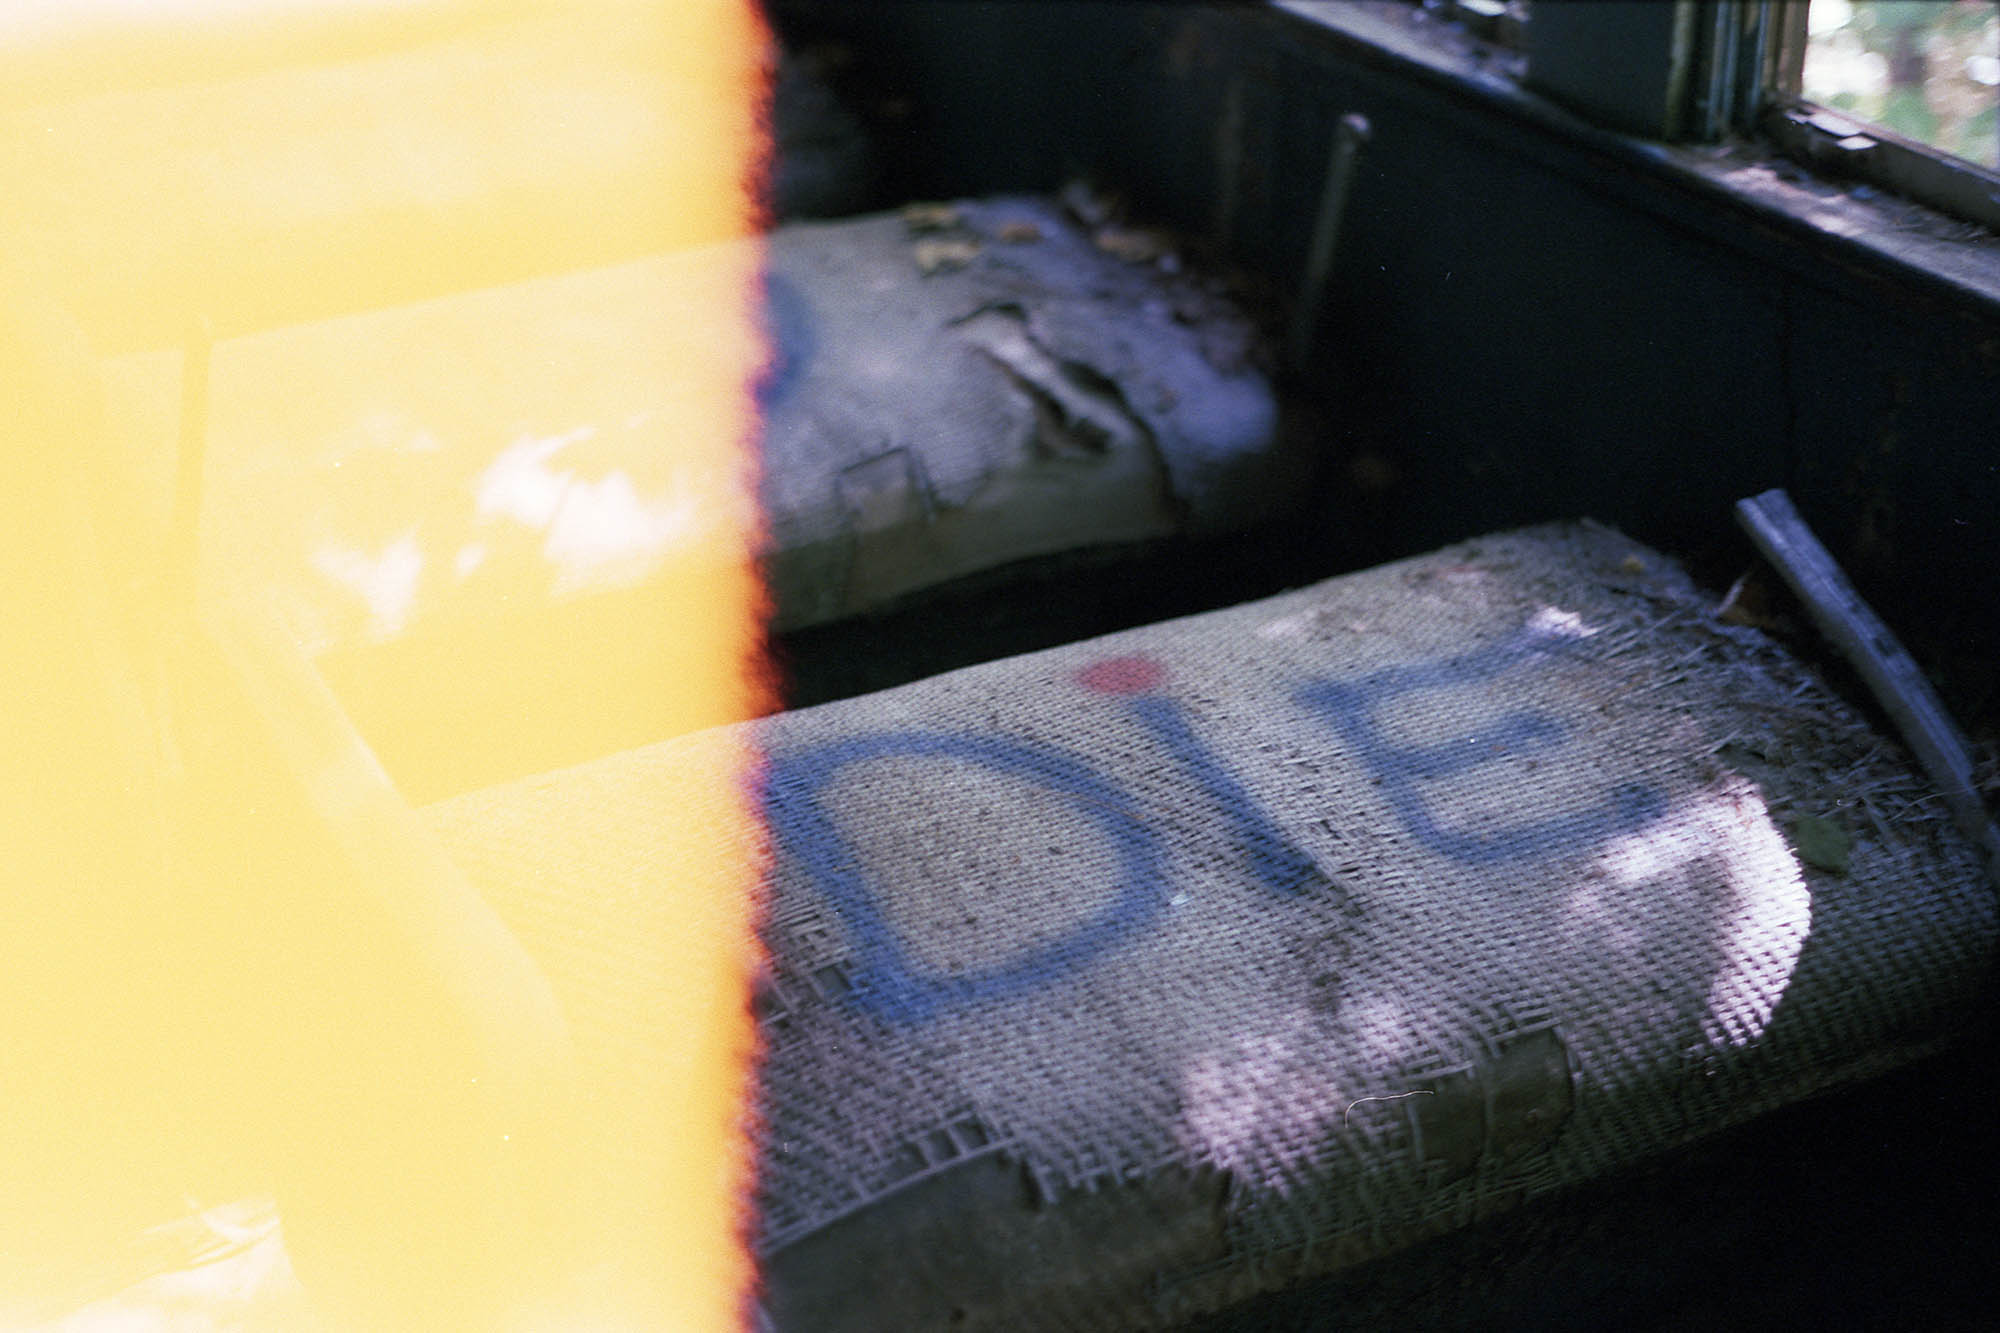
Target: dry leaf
[1134,245]
[921,217]
[945,253]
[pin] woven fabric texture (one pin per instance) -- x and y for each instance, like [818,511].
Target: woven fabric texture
[1114,983]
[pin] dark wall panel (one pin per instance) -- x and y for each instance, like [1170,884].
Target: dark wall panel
[1523,324]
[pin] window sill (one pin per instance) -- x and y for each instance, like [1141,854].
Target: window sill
[1868,232]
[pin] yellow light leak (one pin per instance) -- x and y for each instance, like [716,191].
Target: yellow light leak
[237,962]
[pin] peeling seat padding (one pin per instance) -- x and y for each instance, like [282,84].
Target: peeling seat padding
[1115,983]
[502,475]
[982,384]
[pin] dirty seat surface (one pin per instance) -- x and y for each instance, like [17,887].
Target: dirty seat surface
[1117,983]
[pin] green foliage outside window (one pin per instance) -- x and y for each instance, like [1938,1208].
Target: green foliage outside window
[1927,69]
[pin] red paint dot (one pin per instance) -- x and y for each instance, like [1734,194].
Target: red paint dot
[1122,675]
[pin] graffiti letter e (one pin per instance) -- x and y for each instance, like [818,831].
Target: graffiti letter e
[1351,706]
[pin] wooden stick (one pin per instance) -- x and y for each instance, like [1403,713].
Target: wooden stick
[1349,134]
[1898,683]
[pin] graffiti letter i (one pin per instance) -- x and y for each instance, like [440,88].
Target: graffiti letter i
[1276,863]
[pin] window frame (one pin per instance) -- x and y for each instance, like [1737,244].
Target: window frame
[1837,143]
[1735,67]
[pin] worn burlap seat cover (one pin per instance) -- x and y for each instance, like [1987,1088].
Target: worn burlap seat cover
[1115,982]
[941,399]
[502,474]
[960,386]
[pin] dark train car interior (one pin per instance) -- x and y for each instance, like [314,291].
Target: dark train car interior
[1590,260]
[1001,664]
